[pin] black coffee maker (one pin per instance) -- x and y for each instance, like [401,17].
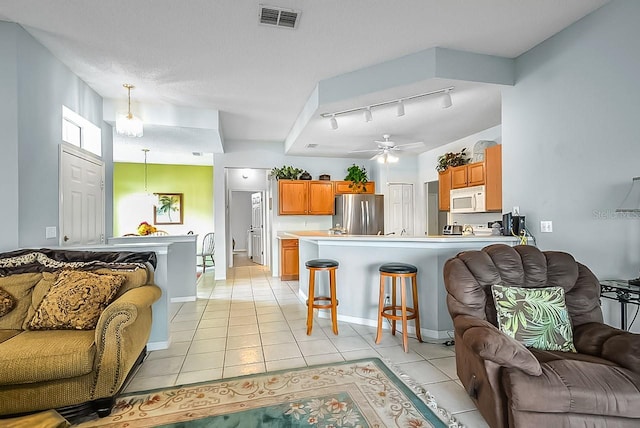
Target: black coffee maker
[513,225]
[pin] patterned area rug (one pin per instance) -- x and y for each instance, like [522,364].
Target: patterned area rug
[362,393]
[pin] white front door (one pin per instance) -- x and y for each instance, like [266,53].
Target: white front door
[257,249]
[401,209]
[81,198]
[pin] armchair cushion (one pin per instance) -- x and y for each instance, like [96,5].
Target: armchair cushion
[537,317]
[576,387]
[76,301]
[610,343]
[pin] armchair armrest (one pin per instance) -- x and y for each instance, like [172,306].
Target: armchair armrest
[493,345]
[601,340]
[121,334]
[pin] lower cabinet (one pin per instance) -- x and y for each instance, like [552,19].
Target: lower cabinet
[289,259]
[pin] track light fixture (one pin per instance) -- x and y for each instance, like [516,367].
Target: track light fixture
[446,99]
[334,122]
[446,102]
[368,117]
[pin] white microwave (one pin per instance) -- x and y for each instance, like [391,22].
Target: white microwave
[467,200]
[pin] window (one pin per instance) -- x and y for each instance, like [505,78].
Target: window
[80,132]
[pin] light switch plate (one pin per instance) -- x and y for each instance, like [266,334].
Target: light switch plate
[546,226]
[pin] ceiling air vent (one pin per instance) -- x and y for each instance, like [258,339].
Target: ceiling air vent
[280,17]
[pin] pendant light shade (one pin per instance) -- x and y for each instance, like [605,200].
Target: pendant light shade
[334,122]
[400,108]
[368,117]
[126,123]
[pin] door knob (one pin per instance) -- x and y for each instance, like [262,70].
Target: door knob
[66,238]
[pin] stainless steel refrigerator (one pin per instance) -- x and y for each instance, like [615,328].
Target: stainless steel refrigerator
[360,214]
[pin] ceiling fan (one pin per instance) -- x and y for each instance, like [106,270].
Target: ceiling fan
[387,149]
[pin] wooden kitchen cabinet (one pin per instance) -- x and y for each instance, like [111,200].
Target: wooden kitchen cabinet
[305,197]
[493,168]
[467,175]
[444,187]
[342,187]
[289,270]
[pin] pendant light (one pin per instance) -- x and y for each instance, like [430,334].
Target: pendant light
[149,198]
[127,124]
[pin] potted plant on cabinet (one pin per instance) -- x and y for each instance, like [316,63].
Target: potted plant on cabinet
[452,159]
[357,175]
[285,173]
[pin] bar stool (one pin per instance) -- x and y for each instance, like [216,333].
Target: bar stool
[402,271]
[331,301]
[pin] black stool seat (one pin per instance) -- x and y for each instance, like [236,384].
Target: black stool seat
[321,263]
[398,268]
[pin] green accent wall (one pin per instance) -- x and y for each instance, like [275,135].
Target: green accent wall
[131,207]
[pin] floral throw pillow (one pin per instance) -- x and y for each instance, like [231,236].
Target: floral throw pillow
[7,302]
[536,317]
[75,301]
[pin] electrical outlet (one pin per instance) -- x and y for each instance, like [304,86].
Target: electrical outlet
[50,232]
[387,301]
[546,226]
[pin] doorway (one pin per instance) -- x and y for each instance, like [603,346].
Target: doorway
[81,197]
[436,219]
[400,209]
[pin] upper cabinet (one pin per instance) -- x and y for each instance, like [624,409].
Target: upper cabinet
[487,173]
[472,174]
[493,167]
[444,187]
[342,187]
[305,197]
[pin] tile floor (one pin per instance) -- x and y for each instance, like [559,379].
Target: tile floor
[253,322]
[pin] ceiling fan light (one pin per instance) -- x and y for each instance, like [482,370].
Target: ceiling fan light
[400,108]
[446,102]
[368,117]
[392,159]
[334,122]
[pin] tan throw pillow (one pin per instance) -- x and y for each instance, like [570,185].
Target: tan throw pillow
[7,302]
[75,301]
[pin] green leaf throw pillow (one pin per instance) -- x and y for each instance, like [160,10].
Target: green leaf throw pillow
[536,317]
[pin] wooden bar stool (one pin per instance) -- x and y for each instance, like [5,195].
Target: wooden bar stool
[331,301]
[402,271]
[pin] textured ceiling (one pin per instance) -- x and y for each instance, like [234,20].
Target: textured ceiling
[215,55]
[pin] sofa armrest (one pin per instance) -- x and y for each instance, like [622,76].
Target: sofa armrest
[604,341]
[493,345]
[121,334]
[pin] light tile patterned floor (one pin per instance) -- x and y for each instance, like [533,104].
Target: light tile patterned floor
[253,322]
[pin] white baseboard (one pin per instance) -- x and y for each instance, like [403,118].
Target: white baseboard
[156,346]
[183,299]
[432,334]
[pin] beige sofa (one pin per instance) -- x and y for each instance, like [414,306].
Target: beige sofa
[76,369]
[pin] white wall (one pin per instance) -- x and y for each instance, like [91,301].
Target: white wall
[9,217]
[571,139]
[240,217]
[35,85]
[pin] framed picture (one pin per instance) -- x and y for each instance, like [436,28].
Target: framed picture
[168,209]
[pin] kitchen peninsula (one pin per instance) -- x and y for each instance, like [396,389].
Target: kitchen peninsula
[358,279]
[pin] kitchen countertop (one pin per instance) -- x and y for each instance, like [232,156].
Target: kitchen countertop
[325,235]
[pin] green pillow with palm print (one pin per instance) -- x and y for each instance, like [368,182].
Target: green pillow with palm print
[536,317]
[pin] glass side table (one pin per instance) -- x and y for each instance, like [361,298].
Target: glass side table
[623,292]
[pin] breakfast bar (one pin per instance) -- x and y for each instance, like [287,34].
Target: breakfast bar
[358,277]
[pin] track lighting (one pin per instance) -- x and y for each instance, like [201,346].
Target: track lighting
[446,99]
[334,122]
[368,117]
[445,102]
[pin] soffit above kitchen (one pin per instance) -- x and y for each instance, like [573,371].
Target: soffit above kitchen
[216,56]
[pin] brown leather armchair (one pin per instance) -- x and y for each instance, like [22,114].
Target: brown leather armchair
[515,386]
